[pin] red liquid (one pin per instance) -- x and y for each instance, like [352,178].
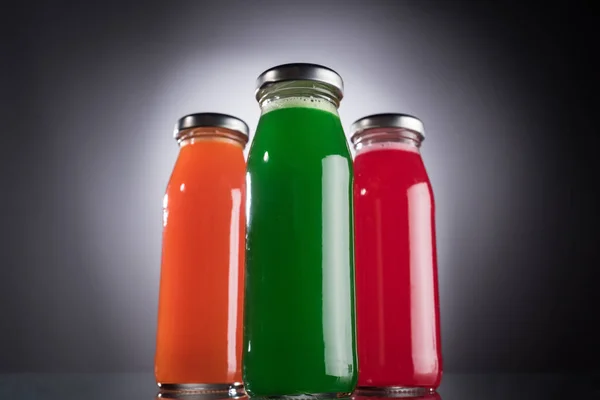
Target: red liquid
[396,269]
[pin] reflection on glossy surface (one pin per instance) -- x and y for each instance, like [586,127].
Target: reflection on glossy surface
[208,390]
[199,338]
[480,386]
[204,396]
[425,396]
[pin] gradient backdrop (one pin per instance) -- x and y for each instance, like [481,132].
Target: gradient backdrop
[91,91]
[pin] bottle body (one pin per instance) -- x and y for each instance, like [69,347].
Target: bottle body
[199,335]
[299,332]
[396,269]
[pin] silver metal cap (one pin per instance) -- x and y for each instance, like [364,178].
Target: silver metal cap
[390,120]
[302,71]
[217,120]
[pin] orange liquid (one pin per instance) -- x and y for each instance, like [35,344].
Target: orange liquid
[199,335]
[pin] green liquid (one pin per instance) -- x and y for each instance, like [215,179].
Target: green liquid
[299,331]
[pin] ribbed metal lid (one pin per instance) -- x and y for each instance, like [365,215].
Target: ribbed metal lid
[388,120]
[217,120]
[301,71]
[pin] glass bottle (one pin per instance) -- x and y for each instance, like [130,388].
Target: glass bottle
[200,314]
[299,331]
[396,263]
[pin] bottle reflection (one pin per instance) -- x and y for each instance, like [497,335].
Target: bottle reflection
[395,396]
[198,396]
[223,396]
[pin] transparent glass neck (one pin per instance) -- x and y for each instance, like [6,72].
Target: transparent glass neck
[392,136]
[208,134]
[298,93]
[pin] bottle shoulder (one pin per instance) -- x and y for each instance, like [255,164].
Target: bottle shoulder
[390,172]
[300,132]
[202,171]
[269,158]
[299,149]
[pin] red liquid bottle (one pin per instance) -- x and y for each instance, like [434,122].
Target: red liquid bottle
[398,325]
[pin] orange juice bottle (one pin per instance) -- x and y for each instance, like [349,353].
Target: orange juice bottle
[200,310]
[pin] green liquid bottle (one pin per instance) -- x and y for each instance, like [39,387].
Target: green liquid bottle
[299,330]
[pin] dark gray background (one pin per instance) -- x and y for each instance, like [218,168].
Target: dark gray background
[91,91]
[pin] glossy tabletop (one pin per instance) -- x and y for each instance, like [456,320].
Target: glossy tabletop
[454,387]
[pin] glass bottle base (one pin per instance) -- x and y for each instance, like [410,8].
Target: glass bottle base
[393,391]
[306,396]
[206,390]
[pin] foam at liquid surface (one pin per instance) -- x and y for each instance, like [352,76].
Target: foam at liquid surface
[295,102]
[387,146]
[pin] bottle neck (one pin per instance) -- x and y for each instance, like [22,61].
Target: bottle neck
[387,138]
[194,136]
[300,93]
